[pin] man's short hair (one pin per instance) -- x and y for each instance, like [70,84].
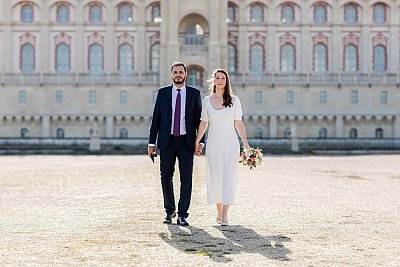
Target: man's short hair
[177,63]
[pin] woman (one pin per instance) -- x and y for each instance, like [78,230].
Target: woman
[223,112]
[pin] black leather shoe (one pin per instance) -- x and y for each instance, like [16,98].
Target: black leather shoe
[182,221]
[168,217]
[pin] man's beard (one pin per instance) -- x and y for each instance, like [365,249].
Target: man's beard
[179,81]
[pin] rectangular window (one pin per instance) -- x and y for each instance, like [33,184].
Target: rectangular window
[258,97]
[92,97]
[354,97]
[22,96]
[123,97]
[384,97]
[322,97]
[289,97]
[59,96]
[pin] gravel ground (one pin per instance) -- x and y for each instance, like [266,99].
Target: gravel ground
[291,211]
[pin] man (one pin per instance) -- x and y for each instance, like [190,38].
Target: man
[176,119]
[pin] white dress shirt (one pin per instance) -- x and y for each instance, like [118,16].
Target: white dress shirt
[183,107]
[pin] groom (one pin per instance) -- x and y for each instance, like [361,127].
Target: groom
[176,119]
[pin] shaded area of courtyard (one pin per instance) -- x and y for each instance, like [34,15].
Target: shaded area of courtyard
[293,210]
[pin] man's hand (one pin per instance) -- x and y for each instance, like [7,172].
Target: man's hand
[151,150]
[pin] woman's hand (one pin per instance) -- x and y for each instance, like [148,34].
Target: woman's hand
[247,151]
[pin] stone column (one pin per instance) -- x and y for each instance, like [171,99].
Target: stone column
[218,33]
[43,50]
[7,39]
[110,126]
[365,49]
[140,64]
[110,42]
[293,137]
[335,50]
[164,68]
[339,126]
[393,49]
[171,29]
[45,126]
[273,128]
[272,49]
[242,41]
[78,53]
[304,48]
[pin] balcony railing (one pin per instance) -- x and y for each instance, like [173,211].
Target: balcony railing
[317,79]
[78,79]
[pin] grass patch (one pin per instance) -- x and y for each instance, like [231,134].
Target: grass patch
[209,245]
[190,249]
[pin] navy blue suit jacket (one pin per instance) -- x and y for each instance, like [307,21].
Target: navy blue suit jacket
[162,117]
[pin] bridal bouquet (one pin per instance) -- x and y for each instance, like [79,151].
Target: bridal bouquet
[251,157]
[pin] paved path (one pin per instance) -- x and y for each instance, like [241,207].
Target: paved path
[107,210]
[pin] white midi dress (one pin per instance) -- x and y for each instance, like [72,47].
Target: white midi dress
[222,151]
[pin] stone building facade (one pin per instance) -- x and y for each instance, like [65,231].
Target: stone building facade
[313,69]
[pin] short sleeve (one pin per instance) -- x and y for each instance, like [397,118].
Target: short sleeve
[238,109]
[204,113]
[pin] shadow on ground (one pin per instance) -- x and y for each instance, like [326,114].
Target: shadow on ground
[237,239]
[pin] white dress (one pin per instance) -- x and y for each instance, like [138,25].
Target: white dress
[222,151]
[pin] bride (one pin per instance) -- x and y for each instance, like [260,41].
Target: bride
[222,112]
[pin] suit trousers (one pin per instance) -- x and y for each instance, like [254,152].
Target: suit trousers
[177,149]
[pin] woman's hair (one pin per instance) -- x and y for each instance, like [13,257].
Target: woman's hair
[227,96]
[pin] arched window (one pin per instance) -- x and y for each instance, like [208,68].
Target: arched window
[320,56]
[257,14]
[96,59]
[353,133]
[258,133]
[323,133]
[63,14]
[350,58]
[27,14]
[231,13]
[378,133]
[350,14]
[155,58]
[194,35]
[231,58]
[125,14]
[320,15]
[125,59]
[156,14]
[287,132]
[379,14]
[24,133]
[62,58]
[379,58]
[123,133]
[95,15]
[287,15]
[194,77]
[27,58]
[287,58]
[60,133]
[257,59]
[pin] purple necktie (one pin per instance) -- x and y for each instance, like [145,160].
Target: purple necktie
[177,117]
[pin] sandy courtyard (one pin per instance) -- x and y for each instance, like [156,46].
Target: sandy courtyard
[107,211]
